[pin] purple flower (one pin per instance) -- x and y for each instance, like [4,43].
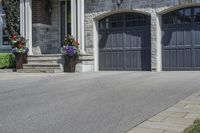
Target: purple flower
[70,51]
[26,50]
[14,50]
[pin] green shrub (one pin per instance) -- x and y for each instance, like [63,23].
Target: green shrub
[195,128]
[7,61]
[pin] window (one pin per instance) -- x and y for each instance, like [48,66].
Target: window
[182,16]
[125,20]
[197,14]
[4,37]
[133,20]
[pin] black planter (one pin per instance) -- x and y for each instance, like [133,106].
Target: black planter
[20,59]
[70,64]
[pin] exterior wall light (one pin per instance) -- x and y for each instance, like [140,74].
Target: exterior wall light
[119,2]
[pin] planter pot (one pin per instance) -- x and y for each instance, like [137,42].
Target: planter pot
[20,59]
[70,64]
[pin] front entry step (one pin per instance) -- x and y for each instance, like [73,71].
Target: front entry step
[53,63]
[49,63]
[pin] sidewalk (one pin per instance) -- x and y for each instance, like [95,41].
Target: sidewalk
[173,120]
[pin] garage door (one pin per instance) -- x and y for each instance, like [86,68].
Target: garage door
[124,42]
[181,39]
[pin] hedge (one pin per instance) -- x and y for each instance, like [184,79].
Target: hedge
[7,61]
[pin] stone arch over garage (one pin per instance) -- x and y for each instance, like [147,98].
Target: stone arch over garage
[143,53]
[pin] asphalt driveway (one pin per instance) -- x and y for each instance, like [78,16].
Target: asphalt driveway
[104,102]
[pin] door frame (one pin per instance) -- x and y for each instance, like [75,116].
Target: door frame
[60,19]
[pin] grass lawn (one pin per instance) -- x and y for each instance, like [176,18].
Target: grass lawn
[195,128]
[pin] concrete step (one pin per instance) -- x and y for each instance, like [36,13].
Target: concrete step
[46,57]
[52,63]
[39,71]
[45,61]
[41,66]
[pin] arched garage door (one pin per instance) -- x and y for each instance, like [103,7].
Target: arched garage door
[181,39]
[124,42]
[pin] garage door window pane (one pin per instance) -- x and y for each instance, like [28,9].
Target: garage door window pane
[188,15]
[197,14]
[114,22]
[133,20]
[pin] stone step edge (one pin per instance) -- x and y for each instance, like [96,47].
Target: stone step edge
[39,71]
[50,55]
[41,64]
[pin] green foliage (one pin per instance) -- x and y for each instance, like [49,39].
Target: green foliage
[195,128]
[7,61]
[12,16]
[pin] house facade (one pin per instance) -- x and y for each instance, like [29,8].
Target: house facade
[152,35]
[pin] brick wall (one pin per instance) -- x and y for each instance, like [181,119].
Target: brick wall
[41,11]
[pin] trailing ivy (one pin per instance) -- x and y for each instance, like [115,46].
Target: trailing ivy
[12,10]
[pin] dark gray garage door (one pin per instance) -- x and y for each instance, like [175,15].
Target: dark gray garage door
[181,39]
[124,42]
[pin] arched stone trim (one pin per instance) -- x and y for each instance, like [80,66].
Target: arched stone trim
[106,14]
[164,10]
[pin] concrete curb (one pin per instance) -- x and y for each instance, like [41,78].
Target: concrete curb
[173,120]
[7,70]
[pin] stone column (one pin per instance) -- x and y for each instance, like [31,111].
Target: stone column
[81,30]
[156,56]
[74,18]
[26,22]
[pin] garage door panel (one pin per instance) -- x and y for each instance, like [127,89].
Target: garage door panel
[135,38]
[128,59]
[173,58]
[102,60]
[134,59]
[170,36]
[119,39]
[108,59]
[109,41]
[180,58]
[114,40]
[117,60]
[166,59]
[146,59]
[187,37]
[180,37]
[102,40]
[197,57]
[188,58]
[197,36]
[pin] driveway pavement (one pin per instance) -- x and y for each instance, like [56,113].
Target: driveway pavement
[104,102]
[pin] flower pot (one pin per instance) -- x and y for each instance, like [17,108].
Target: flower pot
[20,59]
[70,64]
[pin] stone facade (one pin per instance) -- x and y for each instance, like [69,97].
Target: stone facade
[46,31]
[46,34]
[98,9]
